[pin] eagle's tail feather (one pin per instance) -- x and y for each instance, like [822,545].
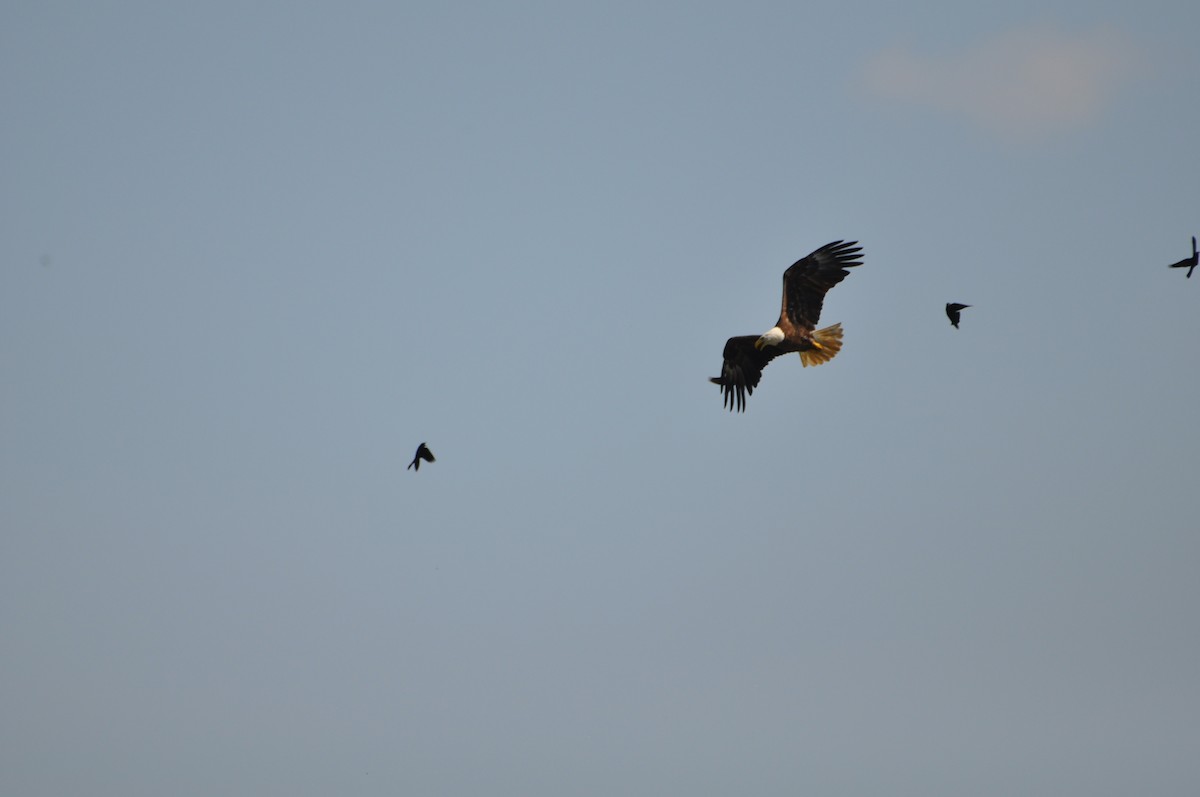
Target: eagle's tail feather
[828,343]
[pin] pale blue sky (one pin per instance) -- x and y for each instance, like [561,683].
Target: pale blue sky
[252,255]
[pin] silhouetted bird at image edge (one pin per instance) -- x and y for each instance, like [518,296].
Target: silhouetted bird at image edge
[423,453]
[952,311]
[805,284]
[1188,262]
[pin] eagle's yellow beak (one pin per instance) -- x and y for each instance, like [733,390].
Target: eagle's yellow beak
[758,344]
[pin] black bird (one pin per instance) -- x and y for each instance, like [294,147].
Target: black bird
[952,311]
[423,453]
[1188,262]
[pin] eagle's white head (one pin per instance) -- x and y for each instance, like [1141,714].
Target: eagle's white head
[772,337]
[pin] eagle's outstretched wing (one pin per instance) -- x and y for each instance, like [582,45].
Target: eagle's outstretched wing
[742,369]
[807,280]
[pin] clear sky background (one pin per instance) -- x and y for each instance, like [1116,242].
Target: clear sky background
[253,254]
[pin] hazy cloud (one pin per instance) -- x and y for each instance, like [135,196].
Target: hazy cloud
[1024,83]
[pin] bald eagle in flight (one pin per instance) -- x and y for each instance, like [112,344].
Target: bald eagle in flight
[804,286]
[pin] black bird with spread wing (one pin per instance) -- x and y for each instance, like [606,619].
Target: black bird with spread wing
[805,284]
[1188,262]
[423,453]
[952,312]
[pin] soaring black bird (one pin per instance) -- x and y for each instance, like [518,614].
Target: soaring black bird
[423,453]
[952,311]
[1188,262]
[805,284]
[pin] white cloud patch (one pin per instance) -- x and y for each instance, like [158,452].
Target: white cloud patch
[1025,83]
